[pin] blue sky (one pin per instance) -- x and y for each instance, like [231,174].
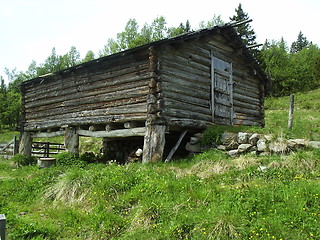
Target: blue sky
[31,28]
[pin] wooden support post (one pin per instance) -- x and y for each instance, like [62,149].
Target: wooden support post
[2,227]
[71,140]
[291,109]
[174,149]
[15,146]
[154,141]
[25,146]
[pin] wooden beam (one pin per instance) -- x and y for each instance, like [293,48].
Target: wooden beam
[174,149]
[131,132]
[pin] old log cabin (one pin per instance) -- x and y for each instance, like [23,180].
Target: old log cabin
[146,95]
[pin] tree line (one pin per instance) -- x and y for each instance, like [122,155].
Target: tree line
[290,70]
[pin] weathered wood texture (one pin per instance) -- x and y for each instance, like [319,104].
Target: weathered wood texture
[25,146]
[154,142]
[186,84]
[71,140]
[108,91]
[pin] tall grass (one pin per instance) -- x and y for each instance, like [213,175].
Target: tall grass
[208,196]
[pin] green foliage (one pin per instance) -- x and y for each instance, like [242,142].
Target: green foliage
[23,160]
[133,37]
[290,72]
[69,159]
[245,30]
[298,45]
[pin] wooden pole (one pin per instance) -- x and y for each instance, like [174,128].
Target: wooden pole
[2,227]
[291,109]
[174,149]
[71,140]
[25,146]
[154,141]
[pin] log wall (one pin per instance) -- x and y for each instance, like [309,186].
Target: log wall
[107,91]
[186,84]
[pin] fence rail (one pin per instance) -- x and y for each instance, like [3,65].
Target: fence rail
[46,149]
[39,149]
[7,150]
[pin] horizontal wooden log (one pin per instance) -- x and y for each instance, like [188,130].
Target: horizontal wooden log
[244,105]
[178,113]
[187,99]
[171,78]
[246,99]
[183,90]
[75,93]
[170,103]
[119,133]
[186,75]
[247,111]
[47,134]
[57,123]
[128,109]
[118,66]
[187,123]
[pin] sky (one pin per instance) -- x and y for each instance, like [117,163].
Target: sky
[29,29]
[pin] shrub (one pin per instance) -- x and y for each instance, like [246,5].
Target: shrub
[69,159]
[23,160]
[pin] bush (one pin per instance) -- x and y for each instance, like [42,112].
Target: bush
[23,160]
[69,159]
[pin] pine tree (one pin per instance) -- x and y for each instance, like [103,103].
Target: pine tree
[245,30]
[298,45]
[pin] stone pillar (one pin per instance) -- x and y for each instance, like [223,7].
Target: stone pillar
[71,140]
[25,145]
[154,141]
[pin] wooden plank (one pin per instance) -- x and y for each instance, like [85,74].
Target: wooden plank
[174,149]
[119,133]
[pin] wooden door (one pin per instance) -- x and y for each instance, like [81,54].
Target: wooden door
[221,91]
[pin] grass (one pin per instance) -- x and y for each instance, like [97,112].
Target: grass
[208,196]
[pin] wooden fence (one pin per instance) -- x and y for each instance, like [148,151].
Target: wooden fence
[46,149]
[39,149]
[7,150]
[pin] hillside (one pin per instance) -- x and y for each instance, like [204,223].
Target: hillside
[208,196]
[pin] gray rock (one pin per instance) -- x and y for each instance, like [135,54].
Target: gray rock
[233,153]
[227,138]
[314,144]
[221,147]
[254,139]
[195,148]
[194,140]
[262,145]
[297,143]
[243,137]
[243,148]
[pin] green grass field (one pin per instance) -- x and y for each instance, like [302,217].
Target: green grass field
[208,196]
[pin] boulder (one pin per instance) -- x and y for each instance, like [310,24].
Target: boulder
[243,148]
[297,143]
[243,137]
[228,137]
[262,145]
[314,144]
[194,140]
[194,148]
[233,153]
[254,139]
